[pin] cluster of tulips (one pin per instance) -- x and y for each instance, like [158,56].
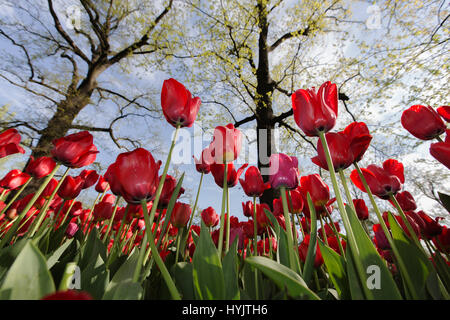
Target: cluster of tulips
[279,252]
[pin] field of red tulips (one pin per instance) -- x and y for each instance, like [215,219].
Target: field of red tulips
[53,246]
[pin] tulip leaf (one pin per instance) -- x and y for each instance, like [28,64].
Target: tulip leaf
[54,257]
[125,290]
[230,272]
[28,278]
[311,255]
[283,276]
[123,274]
[377,282]
[355,285]
[445,200]
[207,274]
[93,248]
[336,267]
[282,244]
[9,254]
[182,273]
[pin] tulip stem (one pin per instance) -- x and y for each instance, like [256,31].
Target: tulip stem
[196,201]
[222,216]
[400,262]
[294,229]
[336,233]
[288,229]
[179,235]
[255,246]
[227,239]
[16,195]
[324,234]
[111,220]
[91,213]
[300,224]
[67,213]
[14,227]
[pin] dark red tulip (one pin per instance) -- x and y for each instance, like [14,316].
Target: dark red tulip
[406,201]
[90,178]
[444,112]
[432,228]
[303,252]
[70,188]
[202,165]
[48,190]
[423,122]
[247,209]
[381,180]
[339,146]
[359,137]
[9,143]
[102,185]
[413,224]
[283,171]
[380,238]
[333,244]
[104,209]
[75,150]
[253,183]
[218,170]
[134,176]
[316,111]
[441,150]
[40,167]
[361,209]
[14,179]
[210,217]
[180,214]
[168,188]
[442,241]
[328,230]
[178,105]
[261,216]
[294,206]
[226,144]
[68,295]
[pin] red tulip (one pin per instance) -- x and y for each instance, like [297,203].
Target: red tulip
[134,176]
[422,122]
[253,184]
[328,230]
[9,143]
[203,164]
[361,209]
[218,170]
[444,112]
[168,188]
[104,209]
[303,252]
[333,244]
[68,295]
[431,227]
[90,178]
[14,179]
[442,241]
[180,214]
[178,105]
[41,167]
[406,201]
[339,146]
[359,138]
[210,217]
[72,228]
[247,209]
[261,216]
[75,150]
[441,150]
[380,239]
[381,181]
[226,144]
[283,171]
[70,188]
[316,111]
[317,188]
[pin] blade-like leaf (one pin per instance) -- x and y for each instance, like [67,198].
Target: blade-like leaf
[230,272]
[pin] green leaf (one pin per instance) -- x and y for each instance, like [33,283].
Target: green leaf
[9,254]
[336,270]
[230,272]
[125,290]
[282,240]
[53,258]
[311,255]
[207,273]
[93,248]
[29,278]
[95,278]
[124,273]
[445,199]
[369,258]
[356,291]
[283,276]
[183,275]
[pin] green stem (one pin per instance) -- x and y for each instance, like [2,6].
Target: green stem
[179,235]
[288,229]
[222,215]
[227,238]
[335,232]
[111,220]
[255,246]
[196,201]
[324,234]
[67,212]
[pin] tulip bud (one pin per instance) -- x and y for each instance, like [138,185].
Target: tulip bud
[180,214]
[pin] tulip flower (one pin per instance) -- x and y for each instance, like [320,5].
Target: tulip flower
[9,143]
[168,188]
[303,252]
[68,295]
[317,189]
[380,238]
[316,111]
[247,209]
[423,122]
[406,201]
[261,216]
[14,179]
[359,138]
[333,244]
[70,188]
[102,185]
[361,209]
[431,227]
[226,144]
[381,180]
[75,150]
[340,151]
[180,214]
[72,228]
[178,105]
[218,171]
[90,178]
[283,171]
[444,112]
[442,241]
[103,210]
[441,150]
[210,217]
[253,183]
[202,165]
[40,167]
[297,203]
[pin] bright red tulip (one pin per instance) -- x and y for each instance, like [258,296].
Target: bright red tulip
[48,190]
[442,241]
[303,252]
[283,171]
[178,105]
[226,144]
[328,230]
[104,209]
[317,189]
[261,216]
[444,112]
[14,179]
[90,178]
[253,183]
[333,244]
[423,122]
[406,201]
[359,137]
[102,185]
[68,295]
[340,151]
[361,209]
[316,111]
[441,150]
[247,209]
[432,228]
[168,188]
[210,217]
[381,181]
[75,150]
[180,214]
[202,165]
[70,188]
[40,167]
[9,143]
[218,170]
